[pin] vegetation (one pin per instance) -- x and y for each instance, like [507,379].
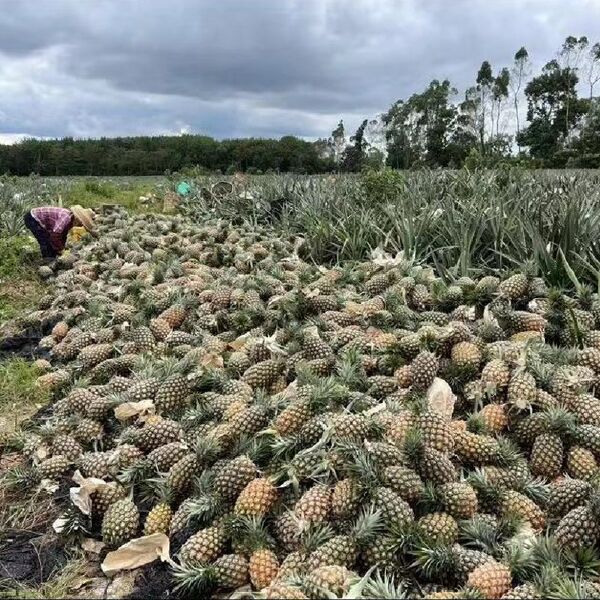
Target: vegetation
[437,127]
[462,222]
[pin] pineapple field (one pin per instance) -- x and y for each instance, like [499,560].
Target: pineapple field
[374,386]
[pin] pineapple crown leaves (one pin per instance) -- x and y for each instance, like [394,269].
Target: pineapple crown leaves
[385,585]
[562,423]
[480,534]
[194,579]
[155,489]
[256,447]
[206,449]
[436,561]
[508,454]
[368,526]
[251,533]
[74,525]
[350,371]
[431,499]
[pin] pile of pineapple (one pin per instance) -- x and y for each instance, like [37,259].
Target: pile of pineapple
[366,430]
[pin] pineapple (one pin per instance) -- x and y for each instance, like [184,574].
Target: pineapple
[204,547]
[345,499]
[581,463]
[233,477]
[405,482]
[332,581]
[424,368]
[395,512]
[459,500]
[262,374]
[172,394]
[53,467]
[514,287]
[567,495]
[120,523]
[547,456]
[157,433]
[263,567]
[436,432]
[231,571]
[314,506]
[182,472]
[158,519]
[438,527]
[106,495]
[257,498]
[466,357]
[492,579]
[522,390]
[517,504]
[495,376]
[578,528]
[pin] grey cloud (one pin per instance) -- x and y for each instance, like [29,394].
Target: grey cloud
[253,67]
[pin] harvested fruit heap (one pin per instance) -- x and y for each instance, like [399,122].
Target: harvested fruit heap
[365,429]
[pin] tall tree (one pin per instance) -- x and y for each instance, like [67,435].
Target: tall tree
[355,154]
[553,110]
[484,81]
[592,67]
[338,141]
[419,130]
[569,58]
[499,95]
[520,71]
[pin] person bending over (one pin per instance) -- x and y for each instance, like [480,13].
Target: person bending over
[50,226]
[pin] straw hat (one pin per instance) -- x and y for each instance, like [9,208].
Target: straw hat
[85,216]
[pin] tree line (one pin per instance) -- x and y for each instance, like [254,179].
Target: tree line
[549,120]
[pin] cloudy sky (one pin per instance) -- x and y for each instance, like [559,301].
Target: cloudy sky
[252,67]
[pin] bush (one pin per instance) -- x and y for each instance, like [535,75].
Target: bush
[384,185]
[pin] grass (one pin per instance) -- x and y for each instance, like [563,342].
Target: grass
[60,584]
[19,396]
[20,286]
[93,193]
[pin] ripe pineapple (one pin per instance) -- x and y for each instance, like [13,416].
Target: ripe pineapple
[332,581]
[491,579]
[395,511]
[581,463]
[182,472]
[314,506]
[157,433]
[263,567]
[158,519]
[436,432]
[172,394]
[495,376]
[522,389]
[405,482]
[257,498]
[514,287]
[231,571]
[53,467]
[517,504]
[466,356]
[233,477]
[345,499]
[120,523]
[106,495]
[578,528]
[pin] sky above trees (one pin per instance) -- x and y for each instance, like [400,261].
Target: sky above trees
[261,68]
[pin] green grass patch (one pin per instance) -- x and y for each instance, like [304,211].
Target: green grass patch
[20,286]
[17,384]
[19,396]
[94,193]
